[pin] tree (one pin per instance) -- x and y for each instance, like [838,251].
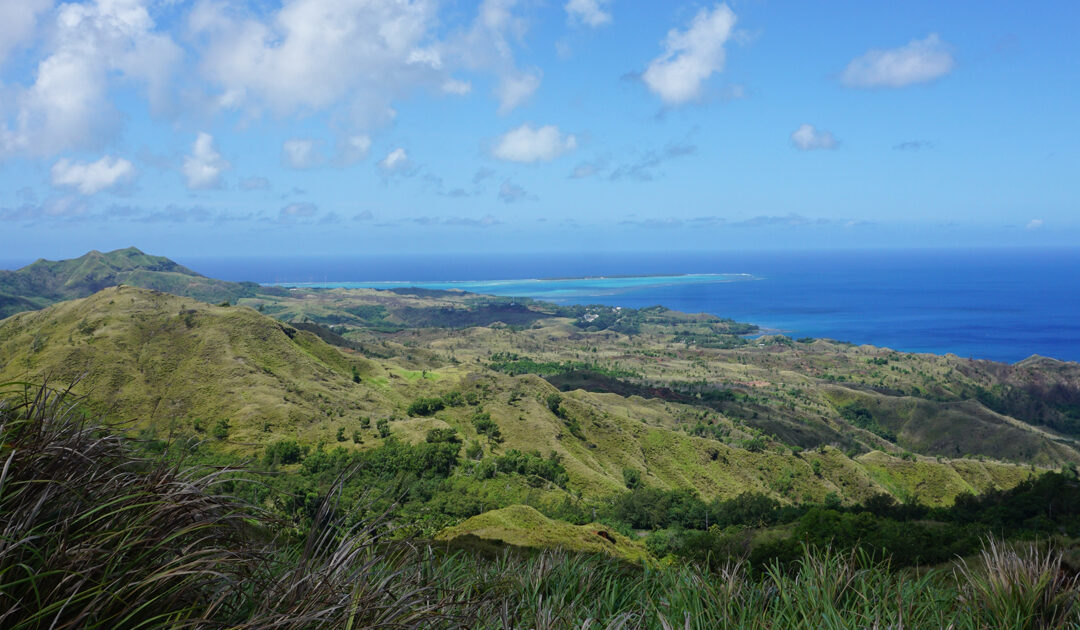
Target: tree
[631,477]
[553,402]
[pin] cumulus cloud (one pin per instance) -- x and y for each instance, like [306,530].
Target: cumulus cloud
[807,138]
[356,55]
[1035,224]
[588,12]
[690,56]
[352,149]
[314,54]
[93,177]
[89,46]
[456,87]
[528,144]
[918,61]
[204,167]
[18,21]
[397,162]
[488,45]
[515,89]
[300,153]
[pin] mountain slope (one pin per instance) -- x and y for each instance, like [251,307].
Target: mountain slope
[171,364]
[178,368]
[45,282]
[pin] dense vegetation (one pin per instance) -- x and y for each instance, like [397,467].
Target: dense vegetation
[99,534]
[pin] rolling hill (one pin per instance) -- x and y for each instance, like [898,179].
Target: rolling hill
[240,381]
[46,282]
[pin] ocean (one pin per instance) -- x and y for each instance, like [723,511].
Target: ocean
[1003,305]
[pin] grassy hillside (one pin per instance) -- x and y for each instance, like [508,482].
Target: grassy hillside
[45,282]
[242,381]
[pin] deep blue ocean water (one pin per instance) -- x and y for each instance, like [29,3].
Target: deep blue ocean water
[1003,305]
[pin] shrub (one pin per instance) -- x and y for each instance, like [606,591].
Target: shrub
[425,406]
[486,426]
[435,436]
[221,429]
[283,452]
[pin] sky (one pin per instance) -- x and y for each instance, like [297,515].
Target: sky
[346,127]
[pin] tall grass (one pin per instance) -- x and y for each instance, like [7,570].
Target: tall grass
[94,536]
[1020,587]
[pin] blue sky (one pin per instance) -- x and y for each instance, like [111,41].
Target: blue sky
[315,127]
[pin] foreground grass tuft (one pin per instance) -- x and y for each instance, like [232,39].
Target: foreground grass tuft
[1020,588]
[94,536]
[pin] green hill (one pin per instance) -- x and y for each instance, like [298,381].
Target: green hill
[177,367]
[46,282]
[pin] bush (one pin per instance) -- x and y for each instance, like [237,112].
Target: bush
[283,452]
[425,406]
[221,429]
[554,402]
[484,425]
[631,477]
[436,436]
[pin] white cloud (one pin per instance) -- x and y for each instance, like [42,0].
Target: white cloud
[514,90]
[18,21]
[203,168]
[1035,224]
[316,54]
[300,153]
[488,46]
[918,61]
[397,161]
[807,138]
[456,87]
[526,144]
[588,12]
[354,148]
[691,56]
[89,46]
[94,176]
